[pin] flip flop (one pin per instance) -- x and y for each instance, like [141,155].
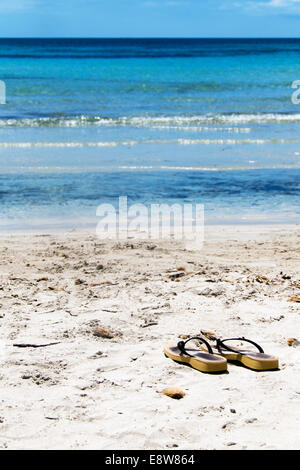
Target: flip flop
[254,360]
[203,361]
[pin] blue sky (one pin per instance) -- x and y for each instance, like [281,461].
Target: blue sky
[149,18]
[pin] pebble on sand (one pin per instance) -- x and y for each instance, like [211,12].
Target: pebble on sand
[209,334]
[292,341]
[103,332]
[173,392]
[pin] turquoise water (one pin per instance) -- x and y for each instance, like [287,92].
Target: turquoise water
[203,121]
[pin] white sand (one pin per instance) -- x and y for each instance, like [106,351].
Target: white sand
[92,393]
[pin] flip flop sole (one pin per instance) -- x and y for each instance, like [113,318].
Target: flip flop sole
[253,362]
[202,364]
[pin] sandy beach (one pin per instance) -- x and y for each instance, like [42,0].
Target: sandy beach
[83,391]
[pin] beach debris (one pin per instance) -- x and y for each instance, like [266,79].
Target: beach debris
[103,332]
[181,268]
[151,247]
[97,355]
[208,334]
[294,298]
[286,276]
[77,282]
[150,323]
[210,292]
[173,392]
[227,425]
[184,336]
[30,345]
[293,342]
[262,279]
[250,420]
[71,314]
[44,278]
[177,275]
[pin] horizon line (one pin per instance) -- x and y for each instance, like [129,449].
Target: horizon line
[150,37]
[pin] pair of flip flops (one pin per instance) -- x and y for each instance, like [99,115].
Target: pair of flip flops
[213,357]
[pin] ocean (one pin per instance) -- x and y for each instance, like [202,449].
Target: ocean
[156,120]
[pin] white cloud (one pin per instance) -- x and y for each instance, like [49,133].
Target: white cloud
[283,3]
[264,6]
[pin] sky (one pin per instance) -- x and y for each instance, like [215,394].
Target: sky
[149,18]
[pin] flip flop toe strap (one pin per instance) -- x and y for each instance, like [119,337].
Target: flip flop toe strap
[220,345]
[181,345]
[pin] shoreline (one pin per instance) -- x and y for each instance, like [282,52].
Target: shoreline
[91,229]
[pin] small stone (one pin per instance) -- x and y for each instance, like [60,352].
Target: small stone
[173,392]
[99,267]
[103,332]
[232,410]
[291,341]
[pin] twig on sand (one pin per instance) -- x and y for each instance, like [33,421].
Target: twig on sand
[72,314]
[145,325]
[29,345]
